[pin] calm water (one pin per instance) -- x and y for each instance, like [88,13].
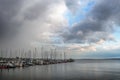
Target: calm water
[78,70]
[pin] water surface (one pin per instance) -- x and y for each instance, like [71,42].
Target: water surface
[78,70]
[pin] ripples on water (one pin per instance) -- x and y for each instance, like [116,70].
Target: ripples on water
[78,70]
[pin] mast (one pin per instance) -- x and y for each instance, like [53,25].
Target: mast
[35,53]
[6,56]
[55,54]
[1,53]
[10,53]
[64,56]
[30,54]
[19,53]
[51,54]
[42,52]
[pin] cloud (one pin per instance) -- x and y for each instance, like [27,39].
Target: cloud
[101,41]
[97,25]
[78,48]
[110,47]
[77,5]
[24,22]
[72,5]
[8,23]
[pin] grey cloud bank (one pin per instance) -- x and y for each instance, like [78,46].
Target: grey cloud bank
[8,24]
[24,20]
[99,23]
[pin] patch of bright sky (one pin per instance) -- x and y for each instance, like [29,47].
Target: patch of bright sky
[117,33]
[80,13]
[116,36]
[89,6]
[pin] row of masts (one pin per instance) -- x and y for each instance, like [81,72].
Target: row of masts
[34,53]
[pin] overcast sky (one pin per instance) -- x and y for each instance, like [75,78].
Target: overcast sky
[87,28]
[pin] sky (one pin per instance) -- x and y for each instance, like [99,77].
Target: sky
[85,28]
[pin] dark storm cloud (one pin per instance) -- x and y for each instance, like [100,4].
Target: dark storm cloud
[97,25]
[73,5]
[38,9]
[8,10]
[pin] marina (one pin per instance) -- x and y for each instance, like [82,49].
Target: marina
[13,63]
[31,58]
